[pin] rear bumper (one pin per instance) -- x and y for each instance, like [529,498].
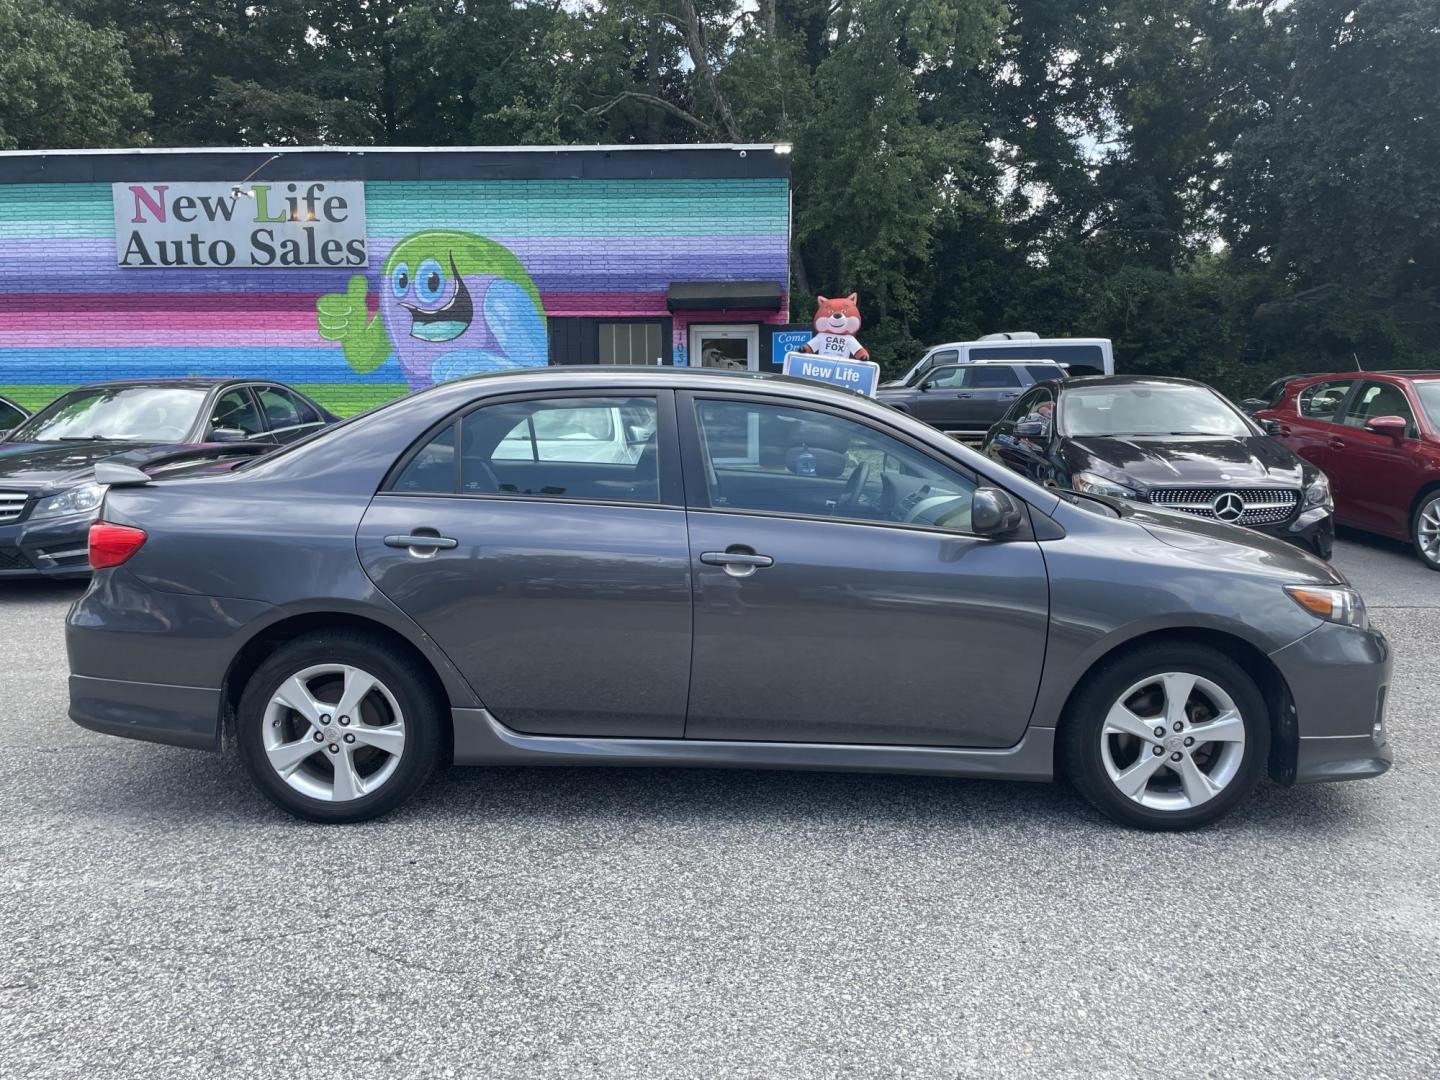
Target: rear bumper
[155,712]
[1338,678]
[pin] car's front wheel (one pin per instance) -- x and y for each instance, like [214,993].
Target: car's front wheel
[335,727]
[1168,736]
[1425,530]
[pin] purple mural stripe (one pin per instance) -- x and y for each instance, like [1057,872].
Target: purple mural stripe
[633,265]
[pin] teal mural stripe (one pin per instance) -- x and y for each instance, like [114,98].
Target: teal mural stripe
[514,208]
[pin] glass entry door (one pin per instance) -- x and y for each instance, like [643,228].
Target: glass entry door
[734,347]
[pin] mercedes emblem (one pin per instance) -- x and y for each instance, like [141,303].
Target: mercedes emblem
[1228,506]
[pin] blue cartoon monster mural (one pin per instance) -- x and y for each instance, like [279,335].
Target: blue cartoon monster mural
[451,304]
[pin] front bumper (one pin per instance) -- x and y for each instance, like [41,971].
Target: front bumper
[50,547]
[1312,529]
[1338,678]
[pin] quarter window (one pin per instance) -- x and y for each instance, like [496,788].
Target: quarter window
[775,459]
[1322,401]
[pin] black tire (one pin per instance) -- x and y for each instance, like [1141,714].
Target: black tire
[406,681]
[1429,504]
[1080,734]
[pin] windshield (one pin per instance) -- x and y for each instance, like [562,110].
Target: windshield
[1149,410]
[123,413]
[1428,391]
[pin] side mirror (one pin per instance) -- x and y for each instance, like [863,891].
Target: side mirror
[1270,427]
[1032,429]
[227,435]
[925,385]
[1253,404]
[994,512]
[1394,426]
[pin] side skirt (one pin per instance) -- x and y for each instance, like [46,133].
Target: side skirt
[480,739]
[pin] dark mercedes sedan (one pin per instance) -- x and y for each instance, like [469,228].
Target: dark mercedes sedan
[1167,442]
[642,566]
[48,491]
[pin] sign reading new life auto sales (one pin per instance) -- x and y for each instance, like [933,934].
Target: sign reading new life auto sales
[278,224]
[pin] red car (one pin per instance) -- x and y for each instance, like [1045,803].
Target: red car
[1377,436]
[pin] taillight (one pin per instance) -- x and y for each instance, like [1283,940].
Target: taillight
[111,544]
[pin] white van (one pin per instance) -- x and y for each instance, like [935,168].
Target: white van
[1081,356]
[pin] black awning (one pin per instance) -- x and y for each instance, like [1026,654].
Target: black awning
[724,295]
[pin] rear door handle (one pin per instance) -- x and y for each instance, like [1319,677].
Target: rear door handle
[421,542]
[1284,429]
[738,560]
[1337,444]
[1010,394]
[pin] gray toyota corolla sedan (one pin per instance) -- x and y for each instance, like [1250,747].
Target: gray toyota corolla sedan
[656,567]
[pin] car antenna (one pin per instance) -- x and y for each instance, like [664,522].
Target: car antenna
[1358,366]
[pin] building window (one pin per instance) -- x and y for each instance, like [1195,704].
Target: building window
[631,342]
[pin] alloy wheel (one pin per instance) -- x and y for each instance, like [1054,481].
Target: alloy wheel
[333,732]
[1172,741]
[1427,531]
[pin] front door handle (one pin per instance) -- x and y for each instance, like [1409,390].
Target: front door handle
[1337,444]
[738,560]
[422,543]
[964,395]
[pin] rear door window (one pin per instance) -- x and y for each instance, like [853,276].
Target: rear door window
[995,377]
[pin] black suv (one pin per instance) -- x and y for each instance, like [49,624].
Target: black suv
[969,397]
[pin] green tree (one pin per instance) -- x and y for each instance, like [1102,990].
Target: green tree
[63,83]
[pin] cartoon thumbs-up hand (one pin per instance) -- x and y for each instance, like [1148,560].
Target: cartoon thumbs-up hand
[344,317]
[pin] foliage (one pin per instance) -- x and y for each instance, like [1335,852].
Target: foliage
[1229,191]
[62,82]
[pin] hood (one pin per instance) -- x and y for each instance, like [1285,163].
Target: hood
[1148,460]
[1232,544]
[45,466]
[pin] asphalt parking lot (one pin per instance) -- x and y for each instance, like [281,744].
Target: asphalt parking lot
[161,919]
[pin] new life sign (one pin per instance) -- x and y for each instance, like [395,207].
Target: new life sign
[862,376]
[312,223]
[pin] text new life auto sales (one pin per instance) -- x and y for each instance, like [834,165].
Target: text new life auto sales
[280,224]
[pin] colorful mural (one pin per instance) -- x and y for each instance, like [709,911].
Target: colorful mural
[451,304]
[516,251]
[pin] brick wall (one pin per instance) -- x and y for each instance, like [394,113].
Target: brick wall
[69,315]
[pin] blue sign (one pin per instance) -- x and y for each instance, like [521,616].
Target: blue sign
[787,341]
[862,376]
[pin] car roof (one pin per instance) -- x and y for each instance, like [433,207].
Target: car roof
[1082,381]
[1397,375]
[196,382]
[1020,342]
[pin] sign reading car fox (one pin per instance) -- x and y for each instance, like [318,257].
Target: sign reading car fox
[280,224]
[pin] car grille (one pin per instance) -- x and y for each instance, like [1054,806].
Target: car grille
[1261,506]
[12,505]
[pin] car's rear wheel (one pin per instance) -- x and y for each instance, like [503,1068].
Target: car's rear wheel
[335,727]
[1166,737]
[1425,530]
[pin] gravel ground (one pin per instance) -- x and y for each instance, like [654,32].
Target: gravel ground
[162,920]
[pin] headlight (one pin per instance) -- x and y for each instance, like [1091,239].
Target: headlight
[1098,485]
[1333,603]
[78,500]
[1317,491]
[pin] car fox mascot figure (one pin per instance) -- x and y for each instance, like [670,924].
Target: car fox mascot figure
[836,324]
